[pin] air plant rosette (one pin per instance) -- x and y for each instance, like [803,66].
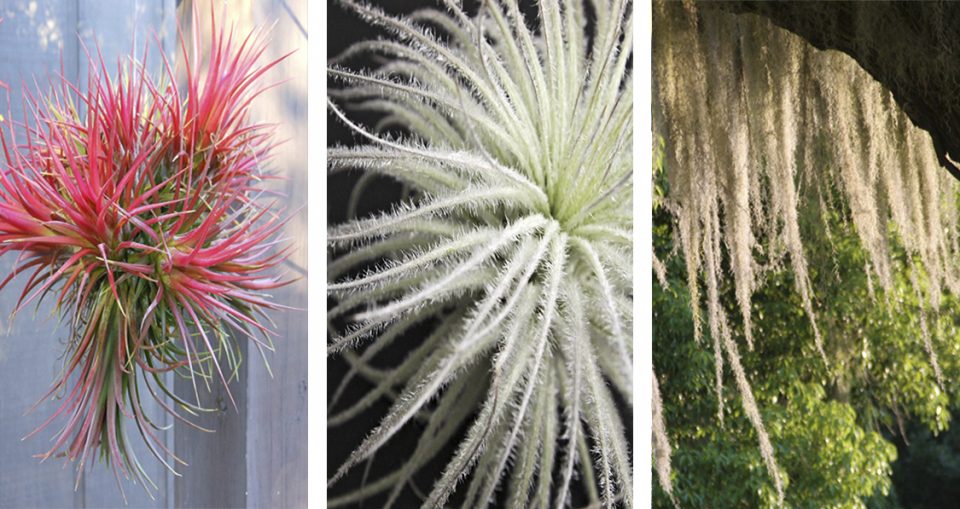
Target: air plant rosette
[515,242]
[141,208]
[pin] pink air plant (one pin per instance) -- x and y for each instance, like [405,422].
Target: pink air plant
[138,206]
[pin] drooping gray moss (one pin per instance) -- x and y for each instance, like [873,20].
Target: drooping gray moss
[754,116]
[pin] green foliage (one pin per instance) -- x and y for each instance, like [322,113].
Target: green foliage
[827,422]
[826,458]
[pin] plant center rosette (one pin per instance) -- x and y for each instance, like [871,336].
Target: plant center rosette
[510,132]
[138,205]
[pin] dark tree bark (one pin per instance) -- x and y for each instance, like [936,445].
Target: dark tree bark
[913,49]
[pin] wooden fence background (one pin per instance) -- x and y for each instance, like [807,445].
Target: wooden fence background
[258,455]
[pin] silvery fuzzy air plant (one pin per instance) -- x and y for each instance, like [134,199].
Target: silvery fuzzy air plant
[515,241]
[138,206]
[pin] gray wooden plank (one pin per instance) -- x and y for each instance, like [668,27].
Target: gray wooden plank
[31,38]
[274,451]
[119,29]
[29,354]
[277,420]
[217,473]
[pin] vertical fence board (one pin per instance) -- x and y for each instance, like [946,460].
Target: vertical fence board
[32,36]
[36,37]
[216,475]
[120,29]
[265,446]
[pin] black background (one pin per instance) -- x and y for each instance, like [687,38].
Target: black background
[344,28]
